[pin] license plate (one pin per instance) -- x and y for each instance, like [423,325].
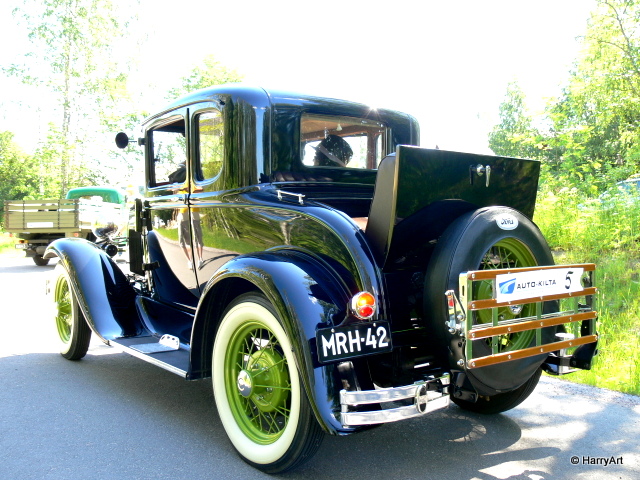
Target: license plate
[353,341]
[39,224]
[21,246]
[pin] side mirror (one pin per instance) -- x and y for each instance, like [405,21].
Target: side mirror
[122,140]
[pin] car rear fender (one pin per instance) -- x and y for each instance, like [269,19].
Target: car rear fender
[307,295]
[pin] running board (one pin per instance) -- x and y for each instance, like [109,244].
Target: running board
[151,350]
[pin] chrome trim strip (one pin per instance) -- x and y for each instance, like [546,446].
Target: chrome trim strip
[149,359]
[376,396]
[393,414]
[424,401]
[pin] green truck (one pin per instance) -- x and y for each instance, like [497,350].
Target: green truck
[97,214]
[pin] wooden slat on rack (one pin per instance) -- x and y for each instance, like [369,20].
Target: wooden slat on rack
[492,303]
[491,274]
[486,332]
[529,352]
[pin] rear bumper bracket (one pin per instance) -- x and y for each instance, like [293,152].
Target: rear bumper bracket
[423,397]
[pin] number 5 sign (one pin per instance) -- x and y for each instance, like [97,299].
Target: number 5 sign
[517,286]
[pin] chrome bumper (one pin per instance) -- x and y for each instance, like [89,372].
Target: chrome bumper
[427,396]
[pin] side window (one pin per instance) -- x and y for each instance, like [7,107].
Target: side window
[342,141]
[168,153]
[210,145]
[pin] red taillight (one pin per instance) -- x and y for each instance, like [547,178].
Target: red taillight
[363,305]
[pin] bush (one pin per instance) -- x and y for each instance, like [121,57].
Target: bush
[605,231]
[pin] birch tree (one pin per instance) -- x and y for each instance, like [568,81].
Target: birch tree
[77,60]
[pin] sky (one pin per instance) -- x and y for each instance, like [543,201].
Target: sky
[446,63]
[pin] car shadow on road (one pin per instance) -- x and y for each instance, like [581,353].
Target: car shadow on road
[451,443]
[175,421]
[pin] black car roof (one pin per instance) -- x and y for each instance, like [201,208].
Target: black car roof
[259,96]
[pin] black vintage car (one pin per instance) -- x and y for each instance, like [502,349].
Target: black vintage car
[327,273]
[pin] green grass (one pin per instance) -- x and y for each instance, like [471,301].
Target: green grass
[581,231]
[7,245]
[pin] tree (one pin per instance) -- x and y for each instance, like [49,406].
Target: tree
[593,134]
[599,112]
[77,59]
[596,123]
[514,136]
[211,73]
[18,171]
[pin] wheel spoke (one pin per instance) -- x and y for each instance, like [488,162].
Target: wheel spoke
[283,411]
[269,423]
[266,370]
[262,348]
[272,386]
[246,404]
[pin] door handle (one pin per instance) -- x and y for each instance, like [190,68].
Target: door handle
[480,170]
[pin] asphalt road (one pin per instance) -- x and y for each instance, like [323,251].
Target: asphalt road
[111,416]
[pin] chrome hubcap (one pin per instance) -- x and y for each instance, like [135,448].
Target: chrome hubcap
[244,383]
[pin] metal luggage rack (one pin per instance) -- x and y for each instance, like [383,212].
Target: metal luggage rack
[576,313]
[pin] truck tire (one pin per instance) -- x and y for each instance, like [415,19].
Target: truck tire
[262,405]
[40,261]
[493,237]
[73,331]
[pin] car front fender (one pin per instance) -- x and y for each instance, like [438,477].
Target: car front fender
[104,294]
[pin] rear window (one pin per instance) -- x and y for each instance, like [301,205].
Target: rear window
[342,142]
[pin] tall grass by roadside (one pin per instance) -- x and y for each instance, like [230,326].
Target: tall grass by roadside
[7,244]
[605,232]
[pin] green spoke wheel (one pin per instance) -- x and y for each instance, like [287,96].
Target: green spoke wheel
[256,374]
[62,299]
[258,391]
[73,332]
[506,253]
[489,238]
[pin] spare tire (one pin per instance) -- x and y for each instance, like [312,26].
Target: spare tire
[492,237]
